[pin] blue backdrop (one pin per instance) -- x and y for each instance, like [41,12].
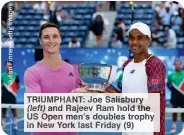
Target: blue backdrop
[24,58]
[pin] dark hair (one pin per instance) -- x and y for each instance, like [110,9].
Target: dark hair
[8,62]
[119,19]
[169,26]
[119,33]
[177,60]
[99,17]
[47,25]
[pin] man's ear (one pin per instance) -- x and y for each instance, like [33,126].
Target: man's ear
[40,41]
[150,40]
[60,40]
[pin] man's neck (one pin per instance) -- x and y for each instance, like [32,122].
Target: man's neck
[8,72]
[139,58]
[52,60]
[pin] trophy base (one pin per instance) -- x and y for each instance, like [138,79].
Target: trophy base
[96,87]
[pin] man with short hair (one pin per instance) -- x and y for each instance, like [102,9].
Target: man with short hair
[176,21]
[166,16]
[145,73]
[171,39]
[175,83]
[52,74]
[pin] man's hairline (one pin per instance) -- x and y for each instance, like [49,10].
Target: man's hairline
[50,27]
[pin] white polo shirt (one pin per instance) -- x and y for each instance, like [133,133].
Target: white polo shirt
[135,78]
[135,81]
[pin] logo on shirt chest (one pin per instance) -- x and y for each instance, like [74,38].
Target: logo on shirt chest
[70,74]
[132,71]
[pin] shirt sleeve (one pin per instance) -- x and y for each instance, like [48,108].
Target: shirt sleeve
[156,72]
[125,64]
[169,82]
[169,79]
[31,82]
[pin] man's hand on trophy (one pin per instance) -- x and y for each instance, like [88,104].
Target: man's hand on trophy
[83,89]
[80,90]
[83,84]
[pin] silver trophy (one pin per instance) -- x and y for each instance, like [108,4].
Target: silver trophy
[97,76]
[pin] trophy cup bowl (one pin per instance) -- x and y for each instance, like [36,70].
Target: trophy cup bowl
[97,76]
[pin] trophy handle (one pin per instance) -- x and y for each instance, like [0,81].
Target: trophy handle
[112,75]
[106,84]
